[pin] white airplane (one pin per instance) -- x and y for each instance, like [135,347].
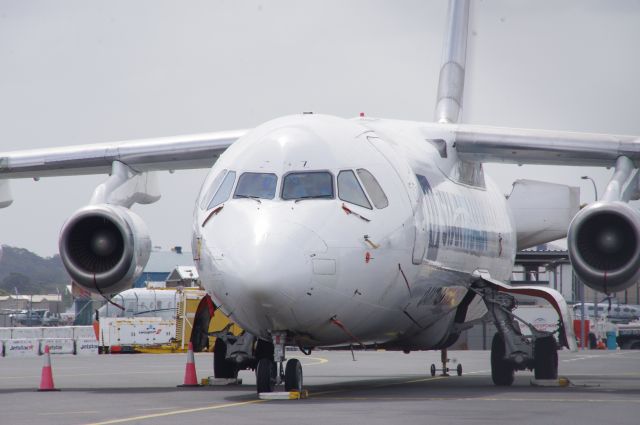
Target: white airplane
[317,231]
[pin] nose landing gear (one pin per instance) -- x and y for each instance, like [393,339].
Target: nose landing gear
[270,372]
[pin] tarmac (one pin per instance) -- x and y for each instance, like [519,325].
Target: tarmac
[377,388]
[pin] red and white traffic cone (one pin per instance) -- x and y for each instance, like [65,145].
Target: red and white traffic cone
[46,381]
[190,378]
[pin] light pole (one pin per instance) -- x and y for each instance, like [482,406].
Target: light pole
[595,293]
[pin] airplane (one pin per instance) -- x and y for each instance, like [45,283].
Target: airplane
[614,312]
[317,231]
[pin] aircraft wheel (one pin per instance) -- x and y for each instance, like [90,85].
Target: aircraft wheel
[433,370]
[293,375]
[265,375]
[545,358]
[502,372]
[459,369]
[223,368]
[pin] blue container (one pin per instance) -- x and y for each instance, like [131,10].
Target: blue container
[611,340]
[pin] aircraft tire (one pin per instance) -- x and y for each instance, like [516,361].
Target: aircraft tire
[545,358]
[223,368]
[502,371]
[293,375]
[265,375]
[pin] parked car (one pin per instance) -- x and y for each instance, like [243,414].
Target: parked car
[37,317]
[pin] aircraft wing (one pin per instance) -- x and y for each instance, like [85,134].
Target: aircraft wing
[523,146]
[166,153]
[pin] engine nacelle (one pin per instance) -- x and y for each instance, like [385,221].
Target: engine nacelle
[104,248]
[604,246]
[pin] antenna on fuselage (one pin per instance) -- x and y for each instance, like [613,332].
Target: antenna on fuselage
[454,53]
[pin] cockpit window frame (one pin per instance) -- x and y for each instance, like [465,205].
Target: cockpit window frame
[244,173]
[369,205]
[210,205]
[375,185]
[287,174]
[212,189]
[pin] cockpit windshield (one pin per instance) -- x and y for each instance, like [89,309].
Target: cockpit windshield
[307,185]
[213,187]
[256,185]
[349,189]
[224,191]
[373,188]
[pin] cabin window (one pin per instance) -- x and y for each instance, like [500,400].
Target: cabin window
[308,185]
[211,189]
[349,190]
[224,191]
[373,188]
[256,185]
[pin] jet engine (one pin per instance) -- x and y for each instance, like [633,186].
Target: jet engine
[604,246]
[104,248]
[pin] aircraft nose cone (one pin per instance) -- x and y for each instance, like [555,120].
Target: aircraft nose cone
[273,272]
[271,265]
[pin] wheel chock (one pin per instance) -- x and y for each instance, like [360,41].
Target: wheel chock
[219,382]
[284,395]
[560,382]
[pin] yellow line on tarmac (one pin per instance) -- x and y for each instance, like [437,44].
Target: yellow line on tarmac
[176,412]
[316,360]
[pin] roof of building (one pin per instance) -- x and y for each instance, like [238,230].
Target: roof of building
[187,272]
[545,247]
[31,298]
[542,254]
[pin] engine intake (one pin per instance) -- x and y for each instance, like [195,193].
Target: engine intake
[104,248]
[604,246]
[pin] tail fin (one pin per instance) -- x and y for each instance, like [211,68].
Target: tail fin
[454,51]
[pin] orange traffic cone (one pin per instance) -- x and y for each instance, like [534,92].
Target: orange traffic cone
[190,378]
[46,381]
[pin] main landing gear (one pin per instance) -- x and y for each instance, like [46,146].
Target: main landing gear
[270,373]
[510,350]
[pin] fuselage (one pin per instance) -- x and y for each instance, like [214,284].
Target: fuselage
[310,221]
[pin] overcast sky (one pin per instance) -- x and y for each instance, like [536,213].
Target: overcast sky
[74,72]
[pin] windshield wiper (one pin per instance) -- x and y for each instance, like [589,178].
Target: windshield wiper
[255,198]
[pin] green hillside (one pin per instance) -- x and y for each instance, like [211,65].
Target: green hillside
[29,273]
